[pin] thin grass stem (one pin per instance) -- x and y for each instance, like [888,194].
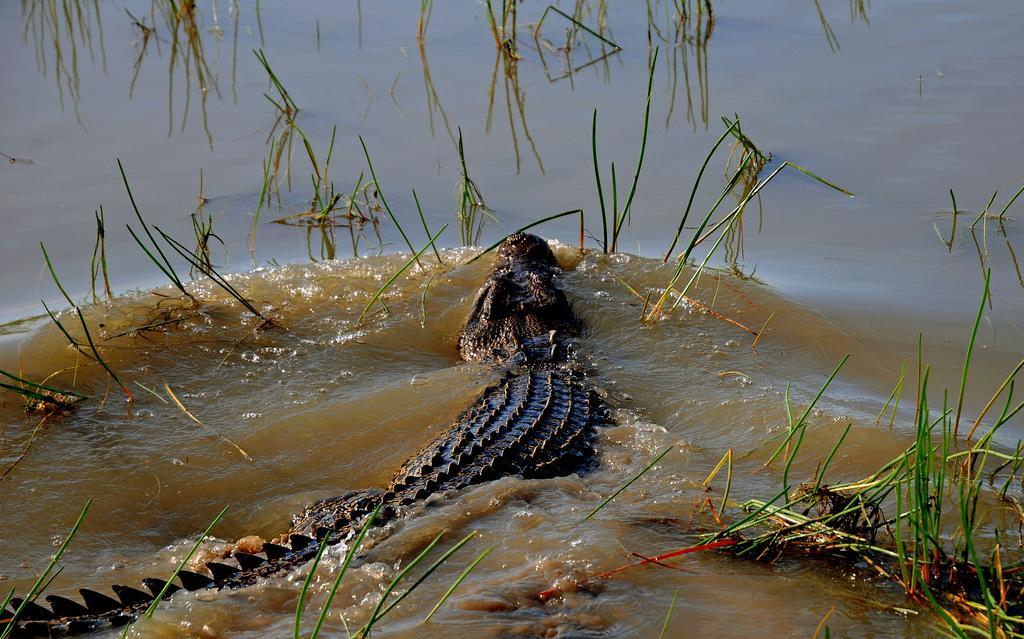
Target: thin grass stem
[640,161]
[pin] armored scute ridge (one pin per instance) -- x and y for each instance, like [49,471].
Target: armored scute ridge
[538,421]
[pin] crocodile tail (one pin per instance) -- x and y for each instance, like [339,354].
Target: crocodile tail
[96,610]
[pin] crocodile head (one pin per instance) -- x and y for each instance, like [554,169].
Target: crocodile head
[519,304]
[526,250]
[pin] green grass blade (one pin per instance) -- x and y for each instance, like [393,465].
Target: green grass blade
[383,200]
[696,183]
[629,483]
[376,614]
[970,351]
[668,615]
[803,417]
[92,346]
[170,275]
[85,327]
[458,581]
[263,196]
[174,575]
[423,220]
[349,556]
[434,566]
[1010,203]
[640,161]
[7,600]
[817,177]
[35,590]
[828,460]
[597,180]
[391,280]
[524,228]
[63,330]
[184,562]
[53,274]
[166,266]
[306,583]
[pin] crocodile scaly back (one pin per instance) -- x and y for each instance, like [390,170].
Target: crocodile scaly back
[538,421]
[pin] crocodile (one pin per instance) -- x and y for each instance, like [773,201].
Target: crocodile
[538,420]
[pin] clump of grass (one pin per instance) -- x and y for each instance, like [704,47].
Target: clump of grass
[472,210]
[281,135]
[197,262]
[162,262]
[39,396]
[750,161]
[751,156]
[85,329]
[326,209]
[696,183]
[619,219]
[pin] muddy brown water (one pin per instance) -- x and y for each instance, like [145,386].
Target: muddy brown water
[906,102]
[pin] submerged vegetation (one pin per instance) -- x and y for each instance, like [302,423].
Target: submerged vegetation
[936,520]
